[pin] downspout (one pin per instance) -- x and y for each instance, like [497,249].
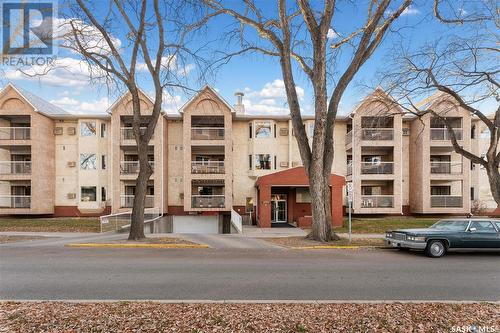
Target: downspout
[401,165]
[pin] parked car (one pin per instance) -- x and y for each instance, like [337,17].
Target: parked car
[448,234]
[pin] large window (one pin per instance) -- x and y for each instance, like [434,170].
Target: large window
[88,193]
[302,195]
[87,128]
[88,162]
[263,129]
[263,162]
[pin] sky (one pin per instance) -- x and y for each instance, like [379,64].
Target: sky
[258,76]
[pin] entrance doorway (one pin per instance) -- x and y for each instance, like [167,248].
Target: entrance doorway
[278,208]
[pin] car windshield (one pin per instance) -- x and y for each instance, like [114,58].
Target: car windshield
[450,225]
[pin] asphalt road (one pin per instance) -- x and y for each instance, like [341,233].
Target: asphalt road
[56,273]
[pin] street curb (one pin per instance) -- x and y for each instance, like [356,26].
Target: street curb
[146,246]
[321,247]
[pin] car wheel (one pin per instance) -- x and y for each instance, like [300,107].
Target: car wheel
[435,249]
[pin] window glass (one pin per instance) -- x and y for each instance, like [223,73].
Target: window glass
[103,162]
[88,193]
[87,128]
[88,162]
[302,195]
[263,162]
[484,226]
[450,225]
[103,130]
[498,225]
[262,129]
[103,194]
[249,205]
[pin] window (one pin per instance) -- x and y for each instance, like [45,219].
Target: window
[103,162]
[87,128]
[249,205]
[450,225]
[249,162]
[472,193]
[88,193]
[482,226]
[103,130]
[262,129]
[274,130]
[440,190]
[275,162]
[473,132]
[302,195]
[262,162]
[103,194]
[88,162]
[250,130]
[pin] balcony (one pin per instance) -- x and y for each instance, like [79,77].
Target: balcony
[207,133]
[132,167]
[15,168]
[377,201]
[207,167]
[127,133]
[441,134]
[348,138]
[446,167]
[377,134]
[207,201]
[15,201]
[349,168]
[127,201]
[15,133]
[378,168]
[445,201]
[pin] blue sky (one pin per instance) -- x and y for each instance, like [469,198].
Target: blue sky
[259,77]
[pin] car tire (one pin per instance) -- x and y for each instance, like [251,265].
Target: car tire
[435,249]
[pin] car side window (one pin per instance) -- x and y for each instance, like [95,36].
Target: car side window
[483,226]
[498,225]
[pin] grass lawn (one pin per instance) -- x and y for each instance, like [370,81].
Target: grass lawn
[380,225]
[12,239]
[77,224]
[292,242]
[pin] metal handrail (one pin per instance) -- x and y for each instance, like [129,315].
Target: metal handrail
[377,168]
[208,201]
[443,133]
[127,201]
[15,133]
[132,167]
[446,201]
[207,133]
[207,167]
[377,134]
[377,201]
[444,167]
[15,167]
[15,201]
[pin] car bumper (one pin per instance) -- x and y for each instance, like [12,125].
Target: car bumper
[405,244]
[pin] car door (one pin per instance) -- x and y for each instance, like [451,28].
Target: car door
[481,234]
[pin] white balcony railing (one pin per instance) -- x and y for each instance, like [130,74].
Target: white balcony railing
[348,138]
[446,167]
[441,134]
[207,167]
[349,168]
[15,201]
[377,168]
[15,168]
[15,133]
[374,134]
[127,133]
[446,201]
[132,167]
[207,133]
[127,201]
[207,201]
[377,201]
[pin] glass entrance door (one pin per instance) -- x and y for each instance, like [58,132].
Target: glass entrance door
[278,208]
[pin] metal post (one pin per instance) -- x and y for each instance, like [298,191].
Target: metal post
[350,221]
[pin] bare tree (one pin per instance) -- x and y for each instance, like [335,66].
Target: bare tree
[299,35]
[150,43]
[464,70]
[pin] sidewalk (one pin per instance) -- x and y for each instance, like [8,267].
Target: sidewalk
[256,232]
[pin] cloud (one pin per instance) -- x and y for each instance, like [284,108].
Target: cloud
[332,34]
[171,103]
[169,63]
[72,105]
[410,10]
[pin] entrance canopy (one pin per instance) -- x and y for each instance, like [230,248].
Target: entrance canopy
[291,179]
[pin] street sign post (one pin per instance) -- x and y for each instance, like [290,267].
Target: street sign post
[349,200]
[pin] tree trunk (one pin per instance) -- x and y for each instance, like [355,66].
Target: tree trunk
[141,185]
[494,179]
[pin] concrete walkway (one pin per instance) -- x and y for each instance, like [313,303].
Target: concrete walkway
[256,232]
[227,241]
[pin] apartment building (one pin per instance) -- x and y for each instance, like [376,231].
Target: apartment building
[211,159]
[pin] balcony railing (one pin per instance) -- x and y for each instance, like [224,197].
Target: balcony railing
[132,167]
[207,133]
[444,134]
[377,201]
[374,134]
[15,168]
[15,133]
[349,168]
[127,133]
[207,167]
[446,167]
[127,201]
[207,201]
[348,138]
[446,201]
[381,168]
[15,201]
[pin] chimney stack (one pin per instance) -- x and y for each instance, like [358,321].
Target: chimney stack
[239,107]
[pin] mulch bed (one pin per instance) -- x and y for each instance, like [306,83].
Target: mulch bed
[151,240]
[158,317]
[297,241]
[15,238]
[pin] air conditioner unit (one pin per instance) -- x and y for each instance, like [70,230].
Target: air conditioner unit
[58,130]
[295,163]
[283,131]
[71,130]
[406,131]
[71,195]
[71,164]
[284,164]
